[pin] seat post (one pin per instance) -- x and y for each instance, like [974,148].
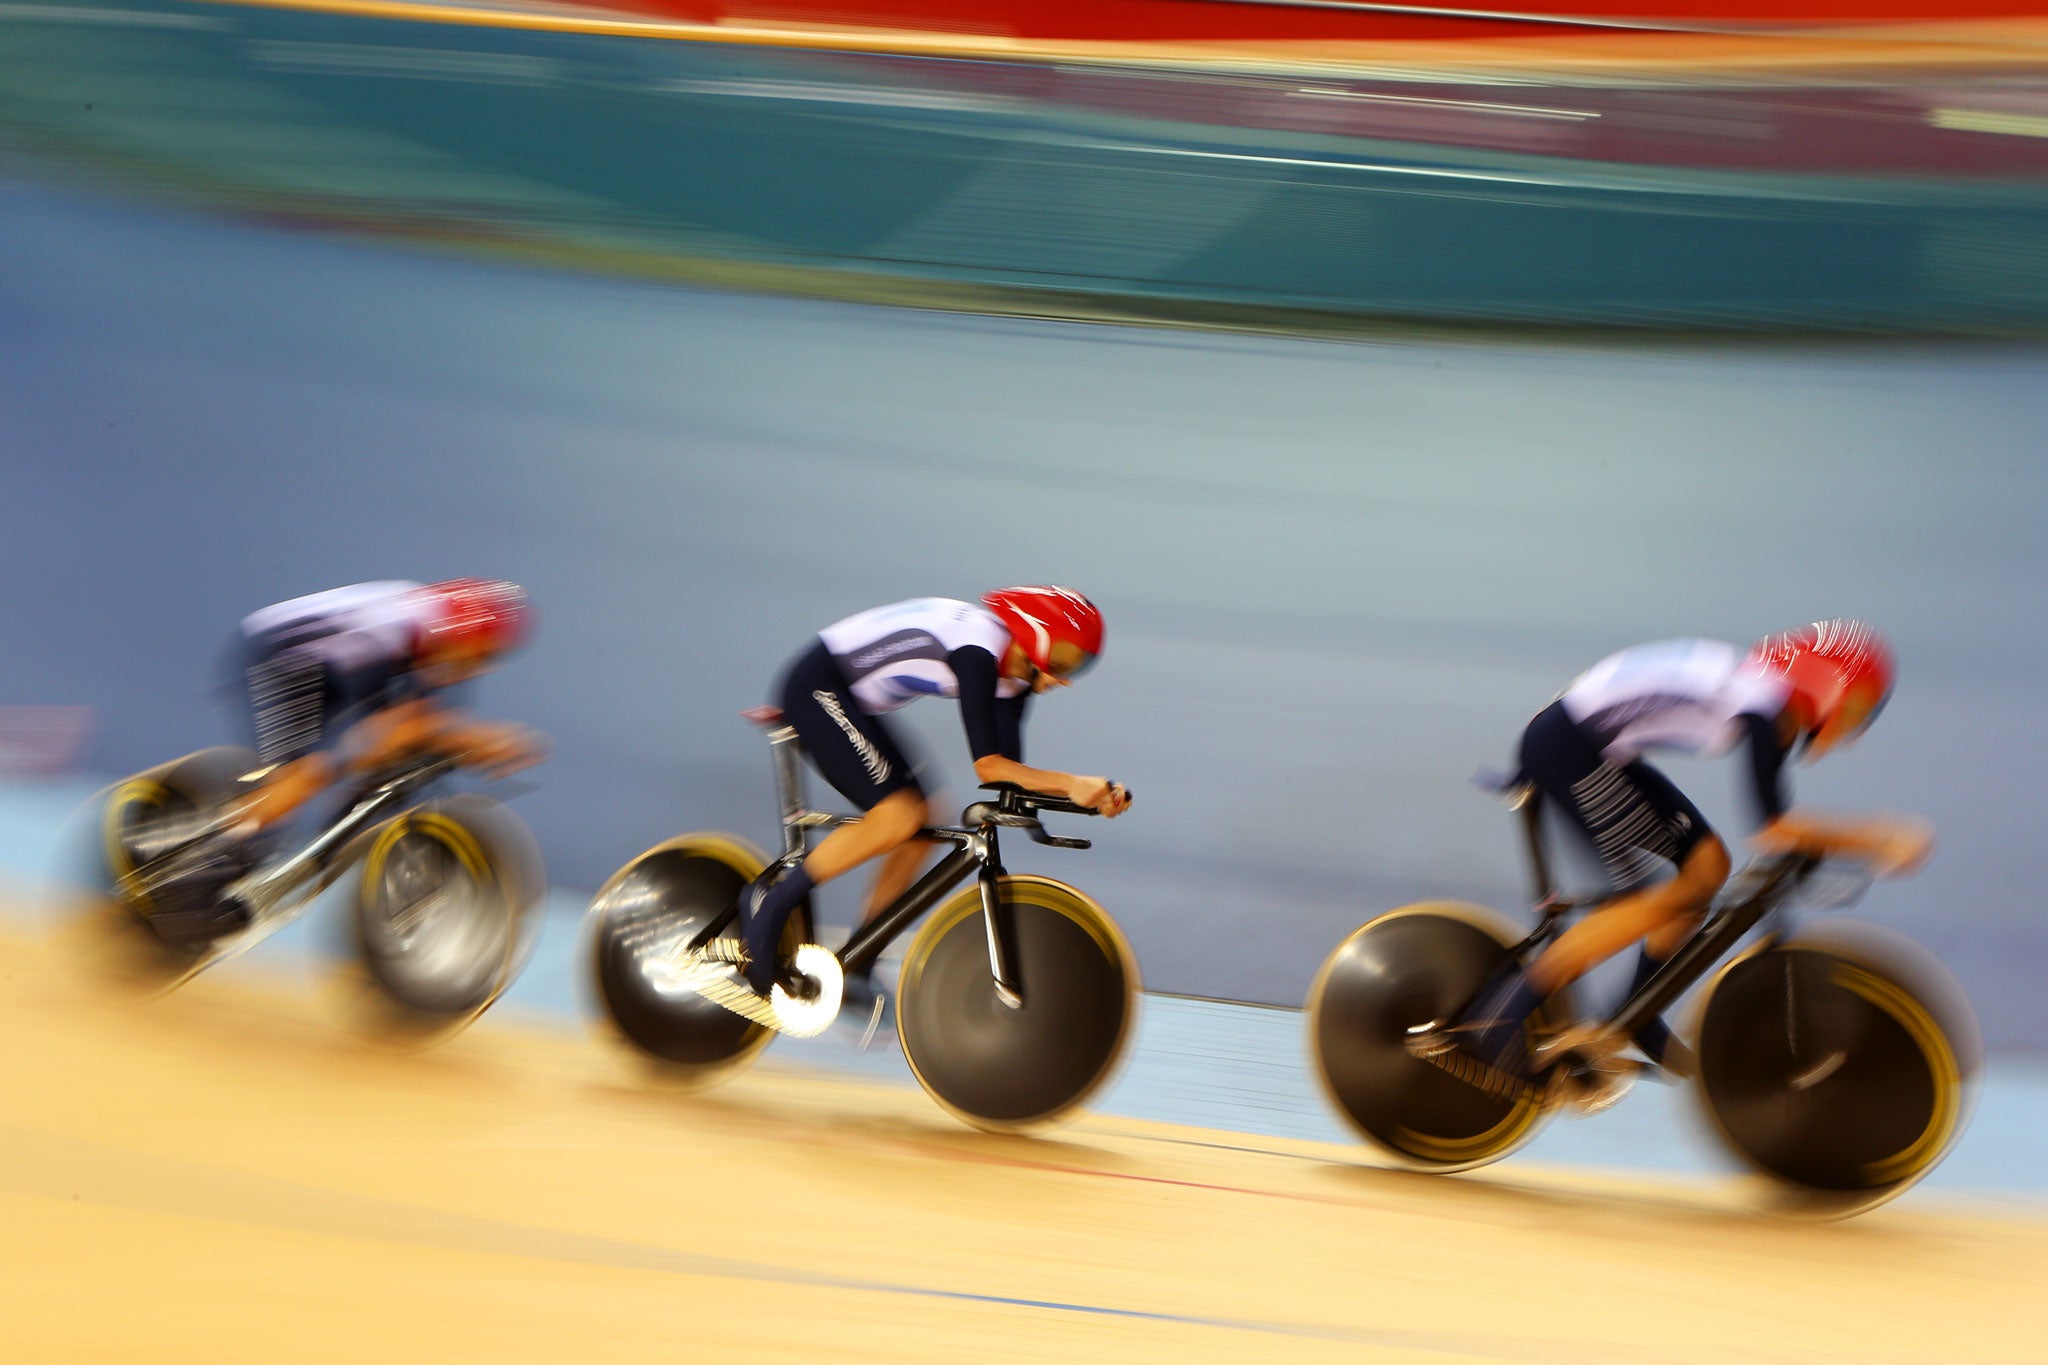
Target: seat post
[1531,804]
[789,788]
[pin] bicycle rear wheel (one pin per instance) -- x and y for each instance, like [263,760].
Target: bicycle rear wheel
[1009,1068]
[1405,971]
[655,903]
[1839,1065]
[144,819]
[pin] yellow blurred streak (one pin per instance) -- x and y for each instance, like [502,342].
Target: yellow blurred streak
[1989,121]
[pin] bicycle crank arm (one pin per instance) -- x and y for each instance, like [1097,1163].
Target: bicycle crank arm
[718,981]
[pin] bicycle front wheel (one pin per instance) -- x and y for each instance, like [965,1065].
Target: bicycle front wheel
[1839,1070]
[446,911]
[1007,1067]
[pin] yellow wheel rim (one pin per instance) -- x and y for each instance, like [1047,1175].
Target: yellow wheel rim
[1514,1126]
[1046,894]
[1944,1073]
[136,791]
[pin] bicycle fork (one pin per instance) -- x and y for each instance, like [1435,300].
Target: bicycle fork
[995,923]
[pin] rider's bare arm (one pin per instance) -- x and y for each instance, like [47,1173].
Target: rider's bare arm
[1894,845]
[421,726]
[393,733]
[1098,793]
[500,746]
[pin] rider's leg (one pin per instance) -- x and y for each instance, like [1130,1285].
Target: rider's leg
[899,869]
[860,758]
[864,1005]
[1654,1037]
[1660,915]
[1637,822]
[883,831]
[1657,916]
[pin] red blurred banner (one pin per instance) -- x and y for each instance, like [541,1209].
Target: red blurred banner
[1325,20]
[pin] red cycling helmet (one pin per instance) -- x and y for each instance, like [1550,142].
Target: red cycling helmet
[1059,630]
[1841,672]
[477,617]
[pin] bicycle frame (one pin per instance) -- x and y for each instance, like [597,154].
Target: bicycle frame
[976,852]
[1768,882]
[285,887]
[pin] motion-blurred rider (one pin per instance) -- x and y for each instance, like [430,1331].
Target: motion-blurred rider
[994,658]
[1811,689]
[348,681]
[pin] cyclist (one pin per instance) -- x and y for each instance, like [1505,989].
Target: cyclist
[994,658]
[363,667]
[1811,689]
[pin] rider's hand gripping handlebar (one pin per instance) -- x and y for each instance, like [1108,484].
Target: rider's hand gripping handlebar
[1017,808]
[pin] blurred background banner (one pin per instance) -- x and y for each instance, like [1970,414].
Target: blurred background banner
[1884,181]
[1326,22]
[1338,578]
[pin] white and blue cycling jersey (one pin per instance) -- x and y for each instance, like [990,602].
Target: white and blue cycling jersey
[1699,697]
[1683,696]
[893,655]
[315,665]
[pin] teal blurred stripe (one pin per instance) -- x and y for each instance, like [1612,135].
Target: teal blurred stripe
[641,153]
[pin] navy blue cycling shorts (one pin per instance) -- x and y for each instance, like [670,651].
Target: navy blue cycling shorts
[1638,822]
[851,749]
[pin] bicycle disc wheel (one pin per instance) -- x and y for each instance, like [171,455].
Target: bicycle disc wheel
[661,899]
[445,910]
[1002,1067]
[149,816]
[1407,970]
[1832,1070]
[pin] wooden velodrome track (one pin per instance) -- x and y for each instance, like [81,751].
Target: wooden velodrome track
[229,1174]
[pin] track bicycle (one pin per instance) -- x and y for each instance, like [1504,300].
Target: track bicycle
[1835,1060]
[1016,996]
[445,907]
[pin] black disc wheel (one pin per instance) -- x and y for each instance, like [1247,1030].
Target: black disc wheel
[1842,1073]
[1004,1066]
[167,922]
[447,906]
[652,907]
[1407,971]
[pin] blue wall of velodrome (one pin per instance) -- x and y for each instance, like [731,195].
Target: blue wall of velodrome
[942,170]
[1339,575]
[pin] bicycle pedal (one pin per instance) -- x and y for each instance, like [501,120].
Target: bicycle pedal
[1593,1089]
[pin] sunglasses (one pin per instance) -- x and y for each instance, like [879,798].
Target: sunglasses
[1852,717]
[1067,661]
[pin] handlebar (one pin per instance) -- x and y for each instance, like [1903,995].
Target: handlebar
[1017,808]
[1779,876]
[1016,800]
